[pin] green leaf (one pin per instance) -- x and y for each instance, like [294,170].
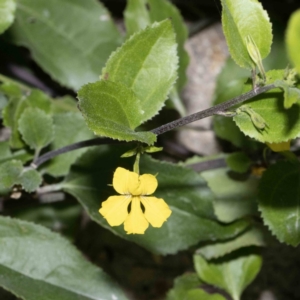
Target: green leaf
[69,128]
[252,237]
[182,285]
[9,173]
[10,88]
[233,275]
[36,263]
[243,18]
[17,104]
[291,94]
[226,128]
[136,16]
[111,109]
[198,294]
[238,162]
[3,103]
[234,197]
[61,217]
[184,190]
[7,14]
[279,201]
[11,114]
[71,40]
[281,124]
[147,64]
[36,128]
[6,154]
[39,100]
[163,9]
[293,39]
[186,287]
[64,104]
[30,180]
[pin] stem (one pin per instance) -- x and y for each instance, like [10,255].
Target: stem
[92,142]
[49,188]
[136,166]
[212,110]
[217,109]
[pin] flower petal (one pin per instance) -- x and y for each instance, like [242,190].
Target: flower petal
[157,210]
[136,221]
[124,181]
[115,209]
[147,185]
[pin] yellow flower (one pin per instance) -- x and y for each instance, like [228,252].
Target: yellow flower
[134,189]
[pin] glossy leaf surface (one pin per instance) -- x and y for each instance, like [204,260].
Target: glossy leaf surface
[233,275]
[279,201]
[252,237]
[36,263]
[235,198]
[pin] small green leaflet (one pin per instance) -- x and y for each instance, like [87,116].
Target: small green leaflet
[7,14]
[243,269]
[111,109]
[279,201]
[147,64]
[182,285]
[12,172]
[241,19]
[30,180]
[291,94]
[272,122]
[36,128]
[293,39]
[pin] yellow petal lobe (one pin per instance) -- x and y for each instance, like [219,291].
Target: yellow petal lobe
[147,185]
[124,181]
[136,222]
[115,209]
[157,210]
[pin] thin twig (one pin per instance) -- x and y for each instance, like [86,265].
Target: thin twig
[212,110]
[88,143]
